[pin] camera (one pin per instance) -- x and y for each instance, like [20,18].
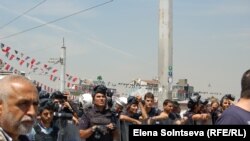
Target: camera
[109,92]
[99,131]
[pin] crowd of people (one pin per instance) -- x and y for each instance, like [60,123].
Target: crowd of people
[29,114]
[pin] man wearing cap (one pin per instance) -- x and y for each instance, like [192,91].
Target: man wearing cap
[97,122]
[131,116]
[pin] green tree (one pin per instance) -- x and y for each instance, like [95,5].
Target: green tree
[99,78]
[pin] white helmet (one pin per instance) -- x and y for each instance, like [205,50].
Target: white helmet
[121,101]
[86,100]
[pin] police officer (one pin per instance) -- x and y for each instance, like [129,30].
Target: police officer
[194,116]
[97,122]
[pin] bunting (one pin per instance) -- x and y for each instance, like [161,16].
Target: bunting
[55,70]
[7,67]
[11,57]
[74,79]
[7,49]
[34,65]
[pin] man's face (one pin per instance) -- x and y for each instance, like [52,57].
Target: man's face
[133,108]
[214,106]
[47,116]
[226,103]
[100,100]
[118,108]
[149,102]
[169,107]
[19,111]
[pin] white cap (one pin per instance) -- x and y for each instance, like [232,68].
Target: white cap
[121,101]
[86,100]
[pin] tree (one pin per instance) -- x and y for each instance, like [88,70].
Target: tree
[99,78]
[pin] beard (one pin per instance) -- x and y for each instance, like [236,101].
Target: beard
[19,127]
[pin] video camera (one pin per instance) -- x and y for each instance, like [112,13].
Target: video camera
[59,112]
[109,94]
[100,130]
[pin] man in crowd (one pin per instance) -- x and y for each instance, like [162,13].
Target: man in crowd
[239,113]
[97,122]
[149,106]
[64,117]
[18,107]
[44,129]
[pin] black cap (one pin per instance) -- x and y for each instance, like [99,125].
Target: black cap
[45,103]
[204,101]
[132,100]
[100,89]
[43,94]
[58,95]
[193,100]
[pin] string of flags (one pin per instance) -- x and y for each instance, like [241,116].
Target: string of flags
[37,67]
[34,65]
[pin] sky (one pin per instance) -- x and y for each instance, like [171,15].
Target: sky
[118,39]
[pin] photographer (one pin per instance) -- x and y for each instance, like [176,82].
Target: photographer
[64,117]
[194,116]
[97,123]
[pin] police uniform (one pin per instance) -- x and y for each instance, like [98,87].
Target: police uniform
[93,116]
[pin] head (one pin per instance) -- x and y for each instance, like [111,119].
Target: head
[177,108]
[58,99]
[120,103]
[204,106]
[18,105]
[132,105]
[245,85]
[43,94]
[194,103]
[215,105]
[149,100]
[225,102]
[99,96]
[66,94]
[168,106]
[45,111]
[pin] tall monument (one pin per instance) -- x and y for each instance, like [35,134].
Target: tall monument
[165,51]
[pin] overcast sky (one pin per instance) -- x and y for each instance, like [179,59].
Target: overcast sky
[119,39]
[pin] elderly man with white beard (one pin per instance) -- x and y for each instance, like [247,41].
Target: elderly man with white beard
[18,107]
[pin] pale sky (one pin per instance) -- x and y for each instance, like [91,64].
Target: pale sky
[119,40]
